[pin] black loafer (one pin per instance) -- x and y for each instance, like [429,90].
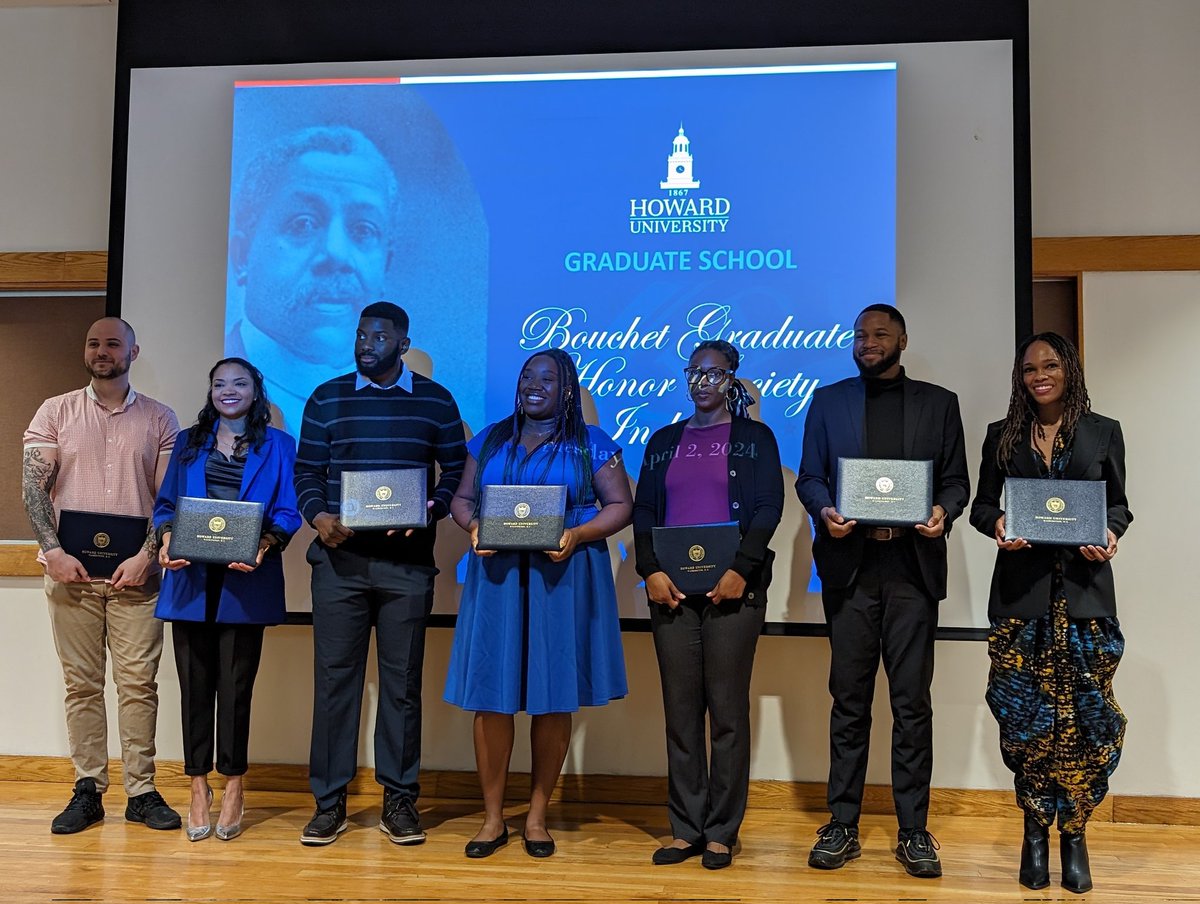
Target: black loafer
[539,849]
[716,859]
[669,856]
[477,850]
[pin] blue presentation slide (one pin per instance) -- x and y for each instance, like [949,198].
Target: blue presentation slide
[622,216]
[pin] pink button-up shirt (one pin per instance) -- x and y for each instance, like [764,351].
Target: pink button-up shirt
[106,457]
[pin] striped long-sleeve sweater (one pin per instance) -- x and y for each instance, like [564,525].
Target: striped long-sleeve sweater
[348,429]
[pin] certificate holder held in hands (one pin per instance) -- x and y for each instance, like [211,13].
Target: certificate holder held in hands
[384,500]
[521,517]
[1056,512]
[101,542]
[216,531]
[695,556]
[885,491]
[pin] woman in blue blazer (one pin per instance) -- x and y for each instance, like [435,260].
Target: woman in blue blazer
[230,453]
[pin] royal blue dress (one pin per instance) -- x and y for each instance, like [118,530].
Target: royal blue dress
[554,644]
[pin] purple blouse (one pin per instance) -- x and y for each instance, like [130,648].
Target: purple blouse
[697,483]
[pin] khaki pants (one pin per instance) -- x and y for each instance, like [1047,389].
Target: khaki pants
[87,617]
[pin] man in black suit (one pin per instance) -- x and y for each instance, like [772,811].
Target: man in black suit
[881,586]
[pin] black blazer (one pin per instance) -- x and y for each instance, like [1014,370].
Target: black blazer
[1021,578]
[833,429]
[755,499]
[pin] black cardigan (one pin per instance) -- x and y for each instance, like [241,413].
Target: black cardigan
[755,499]
[1021,578]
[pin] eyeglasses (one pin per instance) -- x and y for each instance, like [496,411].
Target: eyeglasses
[714,375]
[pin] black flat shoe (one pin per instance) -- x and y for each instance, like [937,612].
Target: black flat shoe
[539,849]
[669,856]
[1035,854]
[716,859]
[477,850]
[1076,871]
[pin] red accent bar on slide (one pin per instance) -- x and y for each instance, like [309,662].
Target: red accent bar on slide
[289,83]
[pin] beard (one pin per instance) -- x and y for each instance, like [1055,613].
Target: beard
[118,369]
[883,364]
[382,366]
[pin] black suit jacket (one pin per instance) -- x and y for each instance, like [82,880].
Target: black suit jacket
[834,429]
[1021,578]
[755,499]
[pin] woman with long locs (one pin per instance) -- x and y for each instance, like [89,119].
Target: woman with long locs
[1055,641]
[538,632]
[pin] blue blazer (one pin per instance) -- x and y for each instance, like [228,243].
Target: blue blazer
[834,429]
[255,598]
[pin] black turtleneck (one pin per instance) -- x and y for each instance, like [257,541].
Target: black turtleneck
[883,424]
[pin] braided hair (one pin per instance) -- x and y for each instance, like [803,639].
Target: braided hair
[737,398]
[1022,410]
[258,418]
[568,438]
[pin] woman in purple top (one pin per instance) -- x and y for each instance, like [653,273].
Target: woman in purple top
[716,466]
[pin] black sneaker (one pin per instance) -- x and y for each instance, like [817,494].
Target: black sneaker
[326,825]
[836,843]
[917,850]
[400,821]
[151,809]
[85,809]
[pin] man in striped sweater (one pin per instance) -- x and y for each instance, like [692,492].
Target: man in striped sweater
[381,416]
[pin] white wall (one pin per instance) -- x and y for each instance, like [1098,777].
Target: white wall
[1100,167]
[56,115]
[1142,327]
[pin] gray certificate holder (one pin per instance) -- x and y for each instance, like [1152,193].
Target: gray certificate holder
[1056,512]
[216,531]
[885,491]
[521,517]
[384,500]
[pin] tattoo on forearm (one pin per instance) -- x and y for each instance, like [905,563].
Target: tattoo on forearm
[150,547]
[37,479]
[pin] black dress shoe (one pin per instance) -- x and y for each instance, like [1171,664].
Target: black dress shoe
[1076,871]
[539,849]
[477,850]
[1035,854]
[668,856]
[716,859]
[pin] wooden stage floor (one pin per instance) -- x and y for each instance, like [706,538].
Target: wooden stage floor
[603,856]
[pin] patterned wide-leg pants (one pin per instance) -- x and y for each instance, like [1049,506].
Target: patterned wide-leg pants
[1061,730]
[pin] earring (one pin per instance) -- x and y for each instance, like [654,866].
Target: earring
[732,392]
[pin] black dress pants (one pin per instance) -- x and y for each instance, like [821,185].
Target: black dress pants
[217,665]
[350,593]
[886,613]
[705,658]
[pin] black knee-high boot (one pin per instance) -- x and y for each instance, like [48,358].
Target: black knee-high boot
[1035,854]
[1076,871]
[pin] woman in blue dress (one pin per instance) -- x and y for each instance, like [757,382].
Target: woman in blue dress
[538,631]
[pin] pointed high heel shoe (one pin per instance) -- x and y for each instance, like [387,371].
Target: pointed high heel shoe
[199,833]
[228,833]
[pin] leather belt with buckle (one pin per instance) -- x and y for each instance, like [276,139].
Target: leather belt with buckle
[885,533]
